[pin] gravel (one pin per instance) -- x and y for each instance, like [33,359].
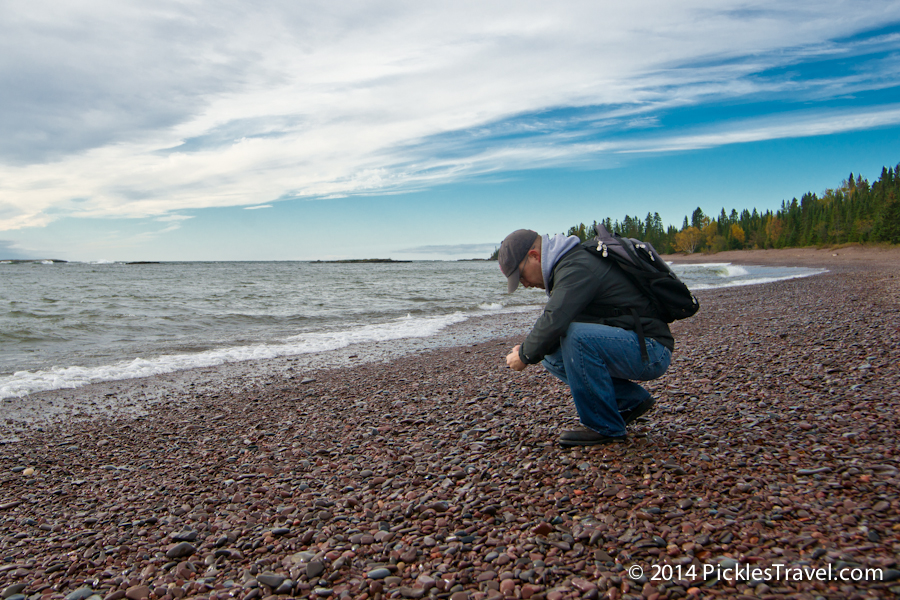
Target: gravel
[774,441]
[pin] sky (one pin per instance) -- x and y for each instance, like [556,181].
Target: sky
[233,130]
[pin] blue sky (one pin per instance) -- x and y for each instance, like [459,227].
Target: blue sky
[317,130]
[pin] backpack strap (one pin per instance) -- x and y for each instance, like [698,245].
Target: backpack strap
[636,265]
[639,329]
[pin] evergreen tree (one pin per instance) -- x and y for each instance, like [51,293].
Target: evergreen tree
[697,218]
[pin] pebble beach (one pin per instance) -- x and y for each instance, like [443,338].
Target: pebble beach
[437,474]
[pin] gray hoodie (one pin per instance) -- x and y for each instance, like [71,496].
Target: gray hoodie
[552,249]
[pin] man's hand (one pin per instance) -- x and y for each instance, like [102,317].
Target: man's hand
[513,360]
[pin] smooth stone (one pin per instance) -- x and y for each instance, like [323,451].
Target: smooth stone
[81,593]
[286,587]
[379,573]
[314,568]
[137,592]
[13,589]
[728,563]
[184,536]
[583,585]
[409,556]
[180,550]
[270,579]
[302,557]
[384,536]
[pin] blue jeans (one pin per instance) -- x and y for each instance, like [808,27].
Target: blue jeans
[597,362]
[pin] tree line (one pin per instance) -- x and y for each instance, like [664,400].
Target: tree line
[857,211]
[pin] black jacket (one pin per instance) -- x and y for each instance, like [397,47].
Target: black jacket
[585,288]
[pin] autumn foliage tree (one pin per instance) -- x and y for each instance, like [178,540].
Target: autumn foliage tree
[688,240]
[738,235]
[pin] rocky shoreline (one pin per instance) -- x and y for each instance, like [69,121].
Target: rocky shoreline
[774,441]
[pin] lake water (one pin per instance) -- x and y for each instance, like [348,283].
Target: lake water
[69,324]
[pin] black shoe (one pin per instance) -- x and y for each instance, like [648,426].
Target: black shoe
[630,416]
[586,437]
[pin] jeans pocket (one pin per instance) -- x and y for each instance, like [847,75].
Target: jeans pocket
[660,357]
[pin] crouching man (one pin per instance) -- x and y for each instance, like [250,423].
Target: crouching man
[598,332]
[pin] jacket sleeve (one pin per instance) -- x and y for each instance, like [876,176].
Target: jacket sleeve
[575,285]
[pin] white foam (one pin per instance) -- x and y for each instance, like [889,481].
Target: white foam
[23,383]
[735,271]
[720,269]
[491,306]
[741,282]
[694,266]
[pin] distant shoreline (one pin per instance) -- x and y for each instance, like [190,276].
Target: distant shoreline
[887,256]
[360,260]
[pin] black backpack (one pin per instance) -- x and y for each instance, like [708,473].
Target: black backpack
[639,260]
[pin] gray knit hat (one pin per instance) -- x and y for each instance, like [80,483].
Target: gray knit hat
[512,252]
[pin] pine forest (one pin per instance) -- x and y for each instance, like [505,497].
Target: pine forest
[857,211]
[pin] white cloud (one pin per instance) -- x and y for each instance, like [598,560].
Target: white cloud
[257,207]
[789,126]
[129,110]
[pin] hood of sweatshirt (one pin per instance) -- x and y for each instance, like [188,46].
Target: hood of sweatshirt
[552,249]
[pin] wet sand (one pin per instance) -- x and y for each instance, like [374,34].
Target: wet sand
[774,441]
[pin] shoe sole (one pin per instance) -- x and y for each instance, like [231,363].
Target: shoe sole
[640,410]
[574,443]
